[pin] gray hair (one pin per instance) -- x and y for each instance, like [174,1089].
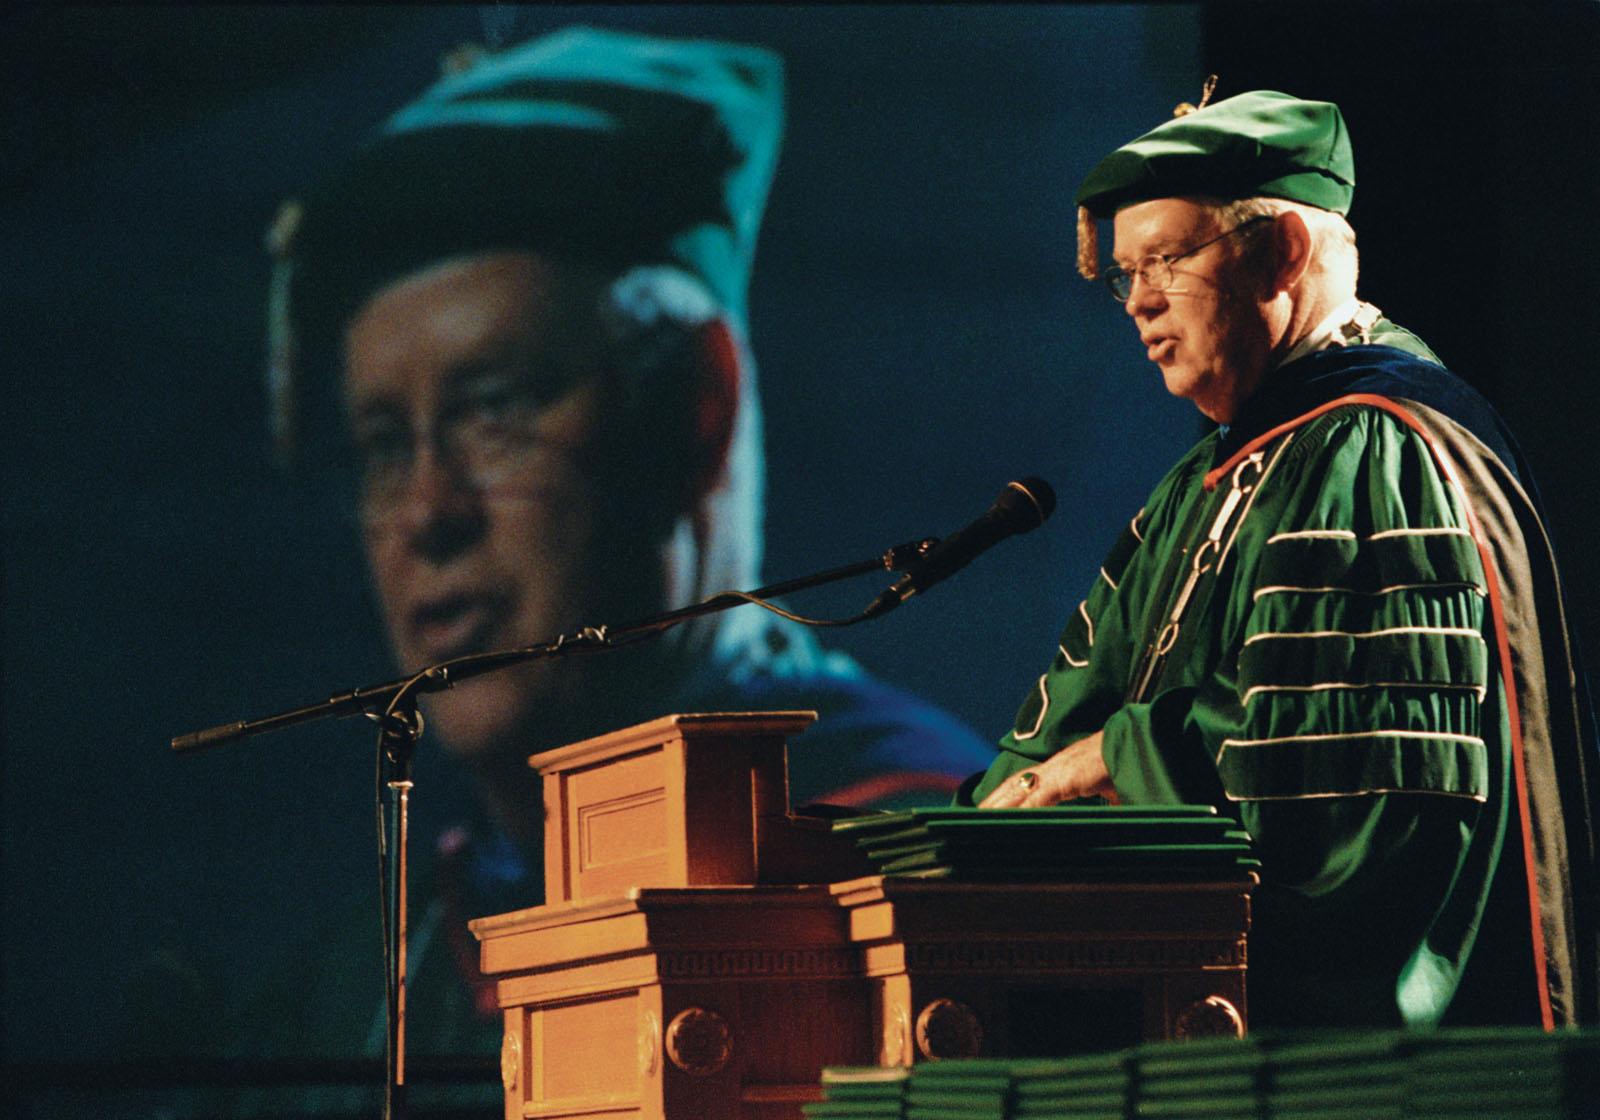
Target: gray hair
[1334,259]
[650,312]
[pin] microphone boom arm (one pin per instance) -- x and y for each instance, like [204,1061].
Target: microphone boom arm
[377,697]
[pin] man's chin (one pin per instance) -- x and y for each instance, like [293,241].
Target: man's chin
[484,720]
[1179,380]
[515,712]
[1198,389]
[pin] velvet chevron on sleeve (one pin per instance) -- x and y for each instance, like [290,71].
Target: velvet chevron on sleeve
[1362,663]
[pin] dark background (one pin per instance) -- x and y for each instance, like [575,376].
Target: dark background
[920,331]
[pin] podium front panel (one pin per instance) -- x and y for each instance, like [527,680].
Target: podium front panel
[680,801]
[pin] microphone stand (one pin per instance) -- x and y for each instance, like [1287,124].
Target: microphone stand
[399,729]
[394,705]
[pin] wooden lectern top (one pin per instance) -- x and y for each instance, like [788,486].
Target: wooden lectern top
[644,736]
[689,800]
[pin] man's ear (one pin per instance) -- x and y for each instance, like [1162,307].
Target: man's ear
[720,381]
[1291,242]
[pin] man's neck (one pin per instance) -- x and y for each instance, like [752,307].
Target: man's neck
[1312,326]
[511,792]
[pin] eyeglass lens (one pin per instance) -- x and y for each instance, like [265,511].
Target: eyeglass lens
[488,442]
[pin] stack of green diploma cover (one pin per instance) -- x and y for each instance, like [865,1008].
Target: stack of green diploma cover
[1066,843]
[1215,1079]
[864,1093]
[1510,1073]
[1332,1078]
[970,1090]
[1092,1087]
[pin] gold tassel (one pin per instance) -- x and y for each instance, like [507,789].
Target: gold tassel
[1183,108]
[1088,245]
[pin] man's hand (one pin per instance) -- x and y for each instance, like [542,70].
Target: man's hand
[1076,772]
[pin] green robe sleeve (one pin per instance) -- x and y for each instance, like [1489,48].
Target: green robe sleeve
[1343,652]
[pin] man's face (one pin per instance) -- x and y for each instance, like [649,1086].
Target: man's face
[477,395]
[1208,331]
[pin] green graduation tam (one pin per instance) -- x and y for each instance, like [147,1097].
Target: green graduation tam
[618,148]
[1254,144]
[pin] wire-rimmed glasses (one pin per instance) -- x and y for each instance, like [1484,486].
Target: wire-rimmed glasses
[1156,269]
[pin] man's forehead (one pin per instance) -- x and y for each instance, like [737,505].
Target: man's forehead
[1160,225]
[457,321]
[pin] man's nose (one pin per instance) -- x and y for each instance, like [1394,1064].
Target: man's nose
[442,512]
[1142,298]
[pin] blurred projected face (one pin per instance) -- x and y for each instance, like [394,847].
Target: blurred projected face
[1207,329]
[477,398]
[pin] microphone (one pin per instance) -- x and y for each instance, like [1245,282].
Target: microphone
[1021,506]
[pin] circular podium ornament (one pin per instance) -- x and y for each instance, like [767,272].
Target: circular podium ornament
[1212,1017]
[699,1042]
[510,1061]
[948,1029]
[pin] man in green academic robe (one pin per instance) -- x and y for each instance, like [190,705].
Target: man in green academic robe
[1337,617]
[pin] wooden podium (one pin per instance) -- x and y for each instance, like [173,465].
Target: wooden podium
[704,953]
